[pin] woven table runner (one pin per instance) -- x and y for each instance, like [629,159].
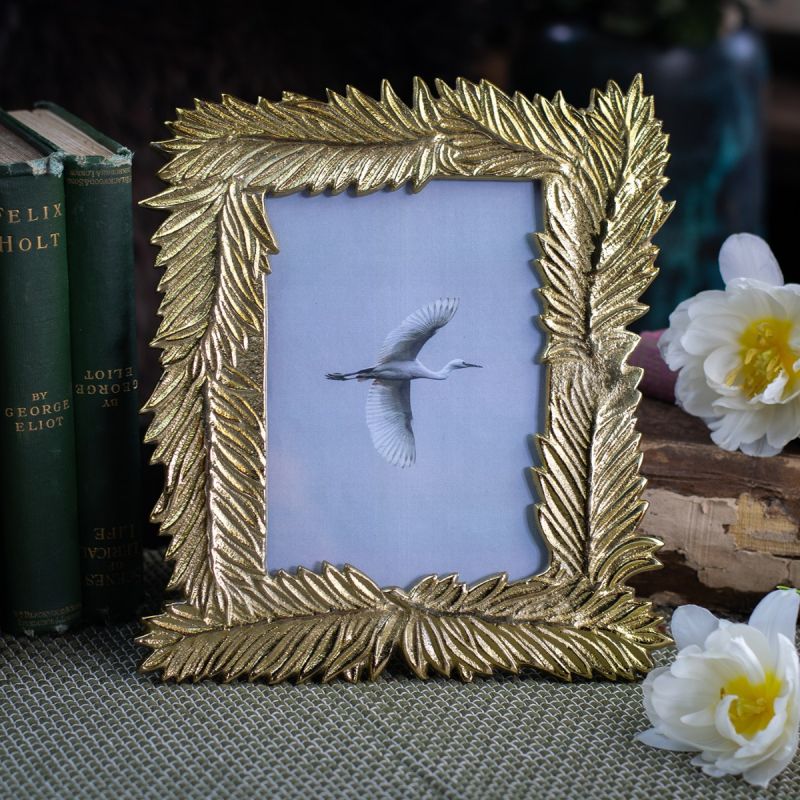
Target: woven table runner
[78,721]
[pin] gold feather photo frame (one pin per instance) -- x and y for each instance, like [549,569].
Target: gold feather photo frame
[601,173]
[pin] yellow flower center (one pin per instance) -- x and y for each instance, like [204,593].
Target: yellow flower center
[754,705]
[765,352]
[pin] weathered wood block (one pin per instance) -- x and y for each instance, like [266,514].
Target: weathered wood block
[730,523]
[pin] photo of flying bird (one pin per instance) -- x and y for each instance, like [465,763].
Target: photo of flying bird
[389,398]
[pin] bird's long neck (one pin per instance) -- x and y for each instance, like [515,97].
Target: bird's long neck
[444,371]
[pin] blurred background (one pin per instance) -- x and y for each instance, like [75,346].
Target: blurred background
[725,75]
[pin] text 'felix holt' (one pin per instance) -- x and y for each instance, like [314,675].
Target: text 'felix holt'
[24,244]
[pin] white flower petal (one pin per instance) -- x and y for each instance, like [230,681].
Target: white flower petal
[692,392]
[734,428]
[777,614]
[669,343]
[760,448]
[696,739]
[753,667]
[692,625]
[690,702]
[730,640]
[674,696]
[718,366]
[787,667]
[714,302]
[746,256]
[714,328]
[647,692]
[789,298]
[757,299]
[769,739]
[752,299]
[774,391]
[725,724]
[655,739]
[756,432]
[706,670]
[703,344]
[708,767]
[784,425]
[763,773]
[699,719]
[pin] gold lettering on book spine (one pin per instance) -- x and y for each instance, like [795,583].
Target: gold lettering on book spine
[602,172]
[107,381]
[40,415]
[16,242]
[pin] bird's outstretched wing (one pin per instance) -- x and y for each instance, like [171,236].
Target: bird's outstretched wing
[405,341]
[389,421]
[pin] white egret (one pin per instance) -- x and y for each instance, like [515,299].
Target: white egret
[389,399]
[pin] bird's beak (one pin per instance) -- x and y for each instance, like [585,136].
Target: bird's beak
[479,366]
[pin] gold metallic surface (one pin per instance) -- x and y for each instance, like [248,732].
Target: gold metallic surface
[602,172]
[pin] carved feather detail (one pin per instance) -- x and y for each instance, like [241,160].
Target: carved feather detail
[602,172]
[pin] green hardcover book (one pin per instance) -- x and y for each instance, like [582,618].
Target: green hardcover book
[97,186]
[40,570]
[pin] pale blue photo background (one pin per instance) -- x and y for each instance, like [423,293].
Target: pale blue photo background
[350,269]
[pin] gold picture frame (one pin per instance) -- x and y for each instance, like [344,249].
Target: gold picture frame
[601,171]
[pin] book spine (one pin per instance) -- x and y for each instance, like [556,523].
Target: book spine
[38,515]
[105,382]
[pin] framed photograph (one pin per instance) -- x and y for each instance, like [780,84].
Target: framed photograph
[395,413]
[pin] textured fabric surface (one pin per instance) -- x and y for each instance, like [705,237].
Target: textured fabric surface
[78,721]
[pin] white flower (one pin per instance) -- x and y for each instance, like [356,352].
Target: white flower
[732,693]
[737,351]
